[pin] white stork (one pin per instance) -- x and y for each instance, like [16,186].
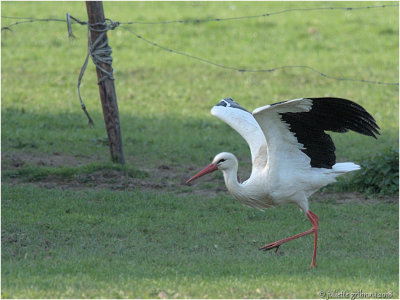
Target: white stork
[292,156]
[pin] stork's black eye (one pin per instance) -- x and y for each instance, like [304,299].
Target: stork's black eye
[221,160]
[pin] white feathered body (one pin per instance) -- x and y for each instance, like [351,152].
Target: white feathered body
[283,171]
[268,188]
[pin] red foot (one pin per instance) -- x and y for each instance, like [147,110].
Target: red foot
[314,220]
[271,246]
[280,242]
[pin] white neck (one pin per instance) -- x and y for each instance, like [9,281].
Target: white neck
[231,181]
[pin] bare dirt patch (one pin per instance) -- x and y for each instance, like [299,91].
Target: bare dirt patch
[15,160]
[161,178]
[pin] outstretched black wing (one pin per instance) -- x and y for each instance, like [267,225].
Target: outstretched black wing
[307,120]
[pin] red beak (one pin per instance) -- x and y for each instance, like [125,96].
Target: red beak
[210,168]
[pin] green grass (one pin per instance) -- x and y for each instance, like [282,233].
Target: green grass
[164,99]
[76,239]
[131,244]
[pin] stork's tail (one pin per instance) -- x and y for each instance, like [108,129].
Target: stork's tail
[345,167]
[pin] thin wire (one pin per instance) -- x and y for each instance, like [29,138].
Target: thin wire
[30,20]
[27,20]
[256,16]
[270,70]
[223,19]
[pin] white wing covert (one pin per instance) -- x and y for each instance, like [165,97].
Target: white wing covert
[283,147]
[244,123]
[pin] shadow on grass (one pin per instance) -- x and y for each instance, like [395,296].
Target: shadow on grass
[170,137]
[162,137]
[168,148]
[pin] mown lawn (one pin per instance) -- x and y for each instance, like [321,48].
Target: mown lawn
[74,225]
[69,243]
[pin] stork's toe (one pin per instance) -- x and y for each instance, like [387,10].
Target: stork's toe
[271,246]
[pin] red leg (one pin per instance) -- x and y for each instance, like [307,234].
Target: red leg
[314,229]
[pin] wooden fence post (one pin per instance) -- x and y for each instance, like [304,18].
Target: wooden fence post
[106,87]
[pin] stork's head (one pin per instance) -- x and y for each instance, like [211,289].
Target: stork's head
[222,161]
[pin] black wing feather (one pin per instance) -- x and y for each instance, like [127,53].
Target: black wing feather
[330,114]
